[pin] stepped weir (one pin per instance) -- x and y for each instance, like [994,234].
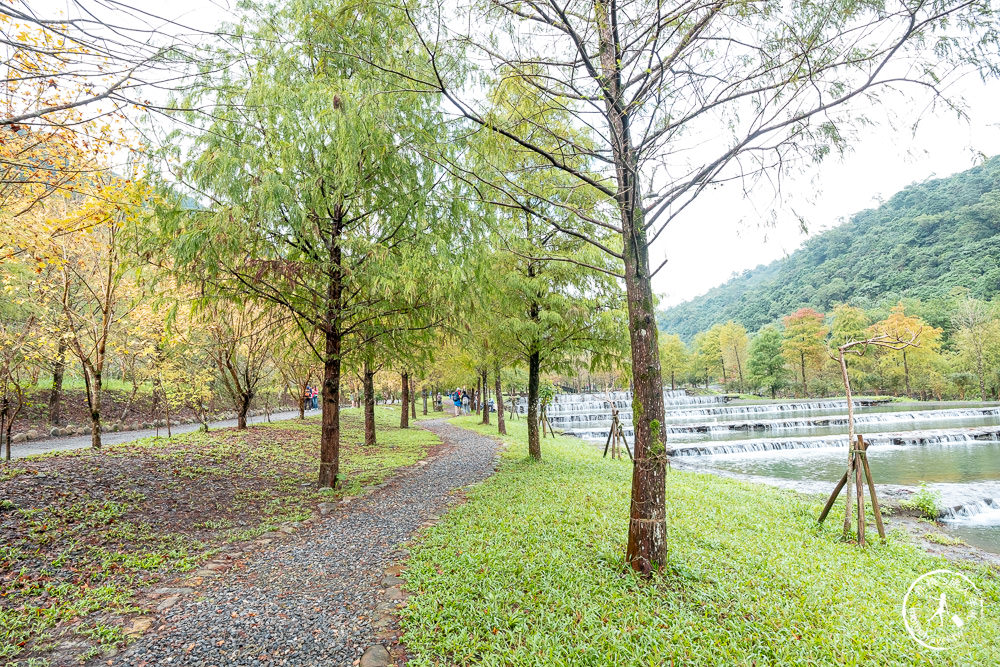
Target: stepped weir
[954,448]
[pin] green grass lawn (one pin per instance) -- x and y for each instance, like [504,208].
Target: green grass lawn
[531,572]
[83,532]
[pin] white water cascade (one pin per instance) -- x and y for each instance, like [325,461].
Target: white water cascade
[899,439]
[912,417]
[588,416]
[949,445]
[983,511]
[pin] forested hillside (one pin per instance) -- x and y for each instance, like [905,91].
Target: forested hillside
[922,243]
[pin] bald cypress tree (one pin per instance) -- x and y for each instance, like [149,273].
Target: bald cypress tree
[311,175]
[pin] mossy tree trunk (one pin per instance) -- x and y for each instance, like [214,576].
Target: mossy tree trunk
[368,388]
[404,412]
[501,426]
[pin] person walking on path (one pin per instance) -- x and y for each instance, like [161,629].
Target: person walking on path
[456,399]
[465,404]
[315,398]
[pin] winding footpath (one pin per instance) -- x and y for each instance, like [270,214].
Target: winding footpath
[32,447]
[319,596]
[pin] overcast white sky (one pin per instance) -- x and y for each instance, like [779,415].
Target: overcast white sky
[723,233]
[726,235]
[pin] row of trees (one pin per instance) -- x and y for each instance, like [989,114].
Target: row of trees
[396,180]
[797,356]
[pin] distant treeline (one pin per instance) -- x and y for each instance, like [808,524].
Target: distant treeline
[797,356]
[925,242]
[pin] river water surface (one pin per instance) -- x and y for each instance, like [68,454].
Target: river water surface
[952,448]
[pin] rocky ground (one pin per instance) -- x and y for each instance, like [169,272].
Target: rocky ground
[323,596]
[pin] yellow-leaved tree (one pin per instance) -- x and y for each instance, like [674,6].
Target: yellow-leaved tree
[98,291]
[919,363]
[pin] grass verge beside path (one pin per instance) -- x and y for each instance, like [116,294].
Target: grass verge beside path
[530,571]
[82,532]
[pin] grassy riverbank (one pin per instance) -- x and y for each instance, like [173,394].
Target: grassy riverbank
[83,533]
[530,571]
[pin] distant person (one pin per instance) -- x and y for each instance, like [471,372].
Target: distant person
[307,398]
[465,404]
[456,399]
[315,398]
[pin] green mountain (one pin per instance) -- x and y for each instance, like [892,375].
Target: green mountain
[922,243]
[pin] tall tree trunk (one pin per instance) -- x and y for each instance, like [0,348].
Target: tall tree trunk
[477,396]
[302,400]
[723,362]
[166,408]
[501,426]
[404,412]
[647,536]
[329,447]
[486,406]
[805,387]
[241,414]
[369,391]
[980,374]
[92,381]
[534,365]
[5,426]
[673,383]
[413,400]
[739,366]
[424,395]
[55,396]
[906,374]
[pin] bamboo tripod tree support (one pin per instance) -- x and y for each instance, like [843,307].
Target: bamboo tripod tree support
[857,456]
[616,438]
[856,467]
[543,421]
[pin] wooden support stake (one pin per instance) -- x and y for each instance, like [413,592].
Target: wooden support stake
[608,443]
[871,488]
[621,432]
[857,466]
[847,499]
[833,497]
[859,457]
[614,437]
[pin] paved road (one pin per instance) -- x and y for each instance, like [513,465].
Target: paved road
[20,450]
[315,598]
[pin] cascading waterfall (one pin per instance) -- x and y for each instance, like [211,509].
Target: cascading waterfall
[786,441]
[901,439]
[978,511]
[836,420]
[589,416]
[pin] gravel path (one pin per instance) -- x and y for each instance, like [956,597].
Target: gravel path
[313,598]
[32,447]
